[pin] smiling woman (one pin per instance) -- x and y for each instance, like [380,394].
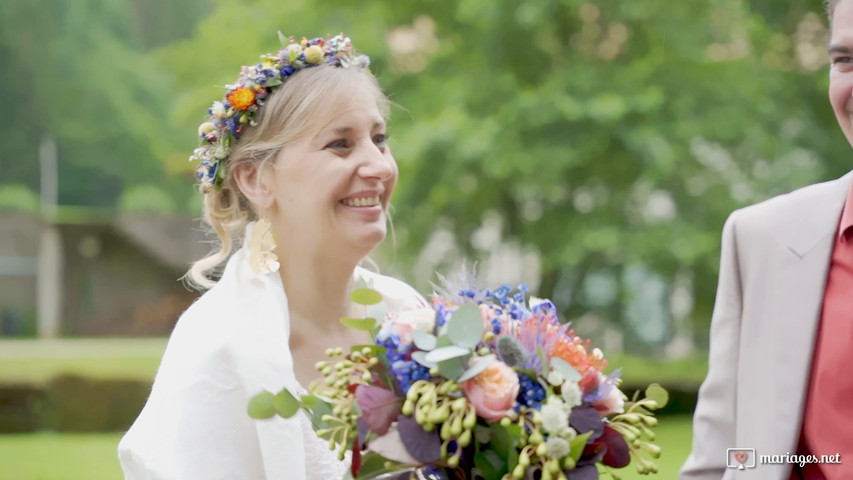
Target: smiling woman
[296,177]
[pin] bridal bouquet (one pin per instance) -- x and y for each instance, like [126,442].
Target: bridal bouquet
[485,384]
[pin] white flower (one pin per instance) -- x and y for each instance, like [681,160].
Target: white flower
[557,447]
[554,378]
[218,109]
[571,394]
[555,419]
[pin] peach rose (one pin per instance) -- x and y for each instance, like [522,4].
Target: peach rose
[493,391]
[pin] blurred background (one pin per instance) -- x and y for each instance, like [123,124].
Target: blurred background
[589,149]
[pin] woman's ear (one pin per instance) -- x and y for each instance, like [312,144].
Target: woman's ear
[254,186]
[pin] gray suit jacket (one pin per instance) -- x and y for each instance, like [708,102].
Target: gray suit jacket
[774,261]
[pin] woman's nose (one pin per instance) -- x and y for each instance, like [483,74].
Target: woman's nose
[377,163]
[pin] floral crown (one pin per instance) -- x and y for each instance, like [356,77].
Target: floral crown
[240,106]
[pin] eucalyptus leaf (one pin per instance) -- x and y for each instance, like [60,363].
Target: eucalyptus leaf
[479,364]
[451,351]
[420,357]
[465,327]
[452,368]
[423,340]
[366,296]
[567,371]
[362,324]
[658,394]
[262,405]
[286,404]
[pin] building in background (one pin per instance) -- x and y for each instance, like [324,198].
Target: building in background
[117,275]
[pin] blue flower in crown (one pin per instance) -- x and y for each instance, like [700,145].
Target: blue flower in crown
[238,109]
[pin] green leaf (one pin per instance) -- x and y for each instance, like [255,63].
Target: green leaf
[420,357]
[286,404]
[658,394]
[505,441]
[452,368]
[567,371]
[362,324]
[577,445]
[366,296]
[465,327]
[262,405]
[444,353]
[490,464]
[273,82]
[372,464]
[317,413]
[423,340]
[480,364]
[310,401]
[482,433]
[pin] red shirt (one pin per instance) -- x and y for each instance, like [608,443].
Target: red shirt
[828,417]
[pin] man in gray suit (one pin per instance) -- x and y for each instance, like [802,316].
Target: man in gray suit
[777,403]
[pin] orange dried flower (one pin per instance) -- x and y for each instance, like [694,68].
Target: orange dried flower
[241,98]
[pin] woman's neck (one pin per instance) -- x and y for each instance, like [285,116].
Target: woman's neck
[317,288]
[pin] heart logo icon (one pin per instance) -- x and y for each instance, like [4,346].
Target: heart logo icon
[740,456]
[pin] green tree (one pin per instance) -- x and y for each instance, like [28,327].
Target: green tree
[79,71]
[610,137]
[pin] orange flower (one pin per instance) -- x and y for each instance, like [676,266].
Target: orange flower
[241,98]
[493,391]
[576,352]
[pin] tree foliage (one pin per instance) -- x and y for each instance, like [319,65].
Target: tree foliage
[609,137]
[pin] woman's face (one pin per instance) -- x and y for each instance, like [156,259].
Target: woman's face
[333,185]
[841,66]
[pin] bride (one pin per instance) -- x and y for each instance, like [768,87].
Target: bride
[296,176]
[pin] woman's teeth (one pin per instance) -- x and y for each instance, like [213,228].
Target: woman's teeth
[361,202]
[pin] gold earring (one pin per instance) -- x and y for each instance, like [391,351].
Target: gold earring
[262,257]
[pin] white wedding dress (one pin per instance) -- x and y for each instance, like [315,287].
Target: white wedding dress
[228,346]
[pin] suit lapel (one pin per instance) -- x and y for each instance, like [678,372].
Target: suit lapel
[802,258]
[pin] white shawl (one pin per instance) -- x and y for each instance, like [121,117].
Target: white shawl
[228,346]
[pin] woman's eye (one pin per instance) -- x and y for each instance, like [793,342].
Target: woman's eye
[340,143]
[380,139]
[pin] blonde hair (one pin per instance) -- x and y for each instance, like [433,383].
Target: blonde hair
[287,115]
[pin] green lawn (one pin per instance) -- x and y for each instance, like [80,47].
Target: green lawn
[37,361]
[46,456]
